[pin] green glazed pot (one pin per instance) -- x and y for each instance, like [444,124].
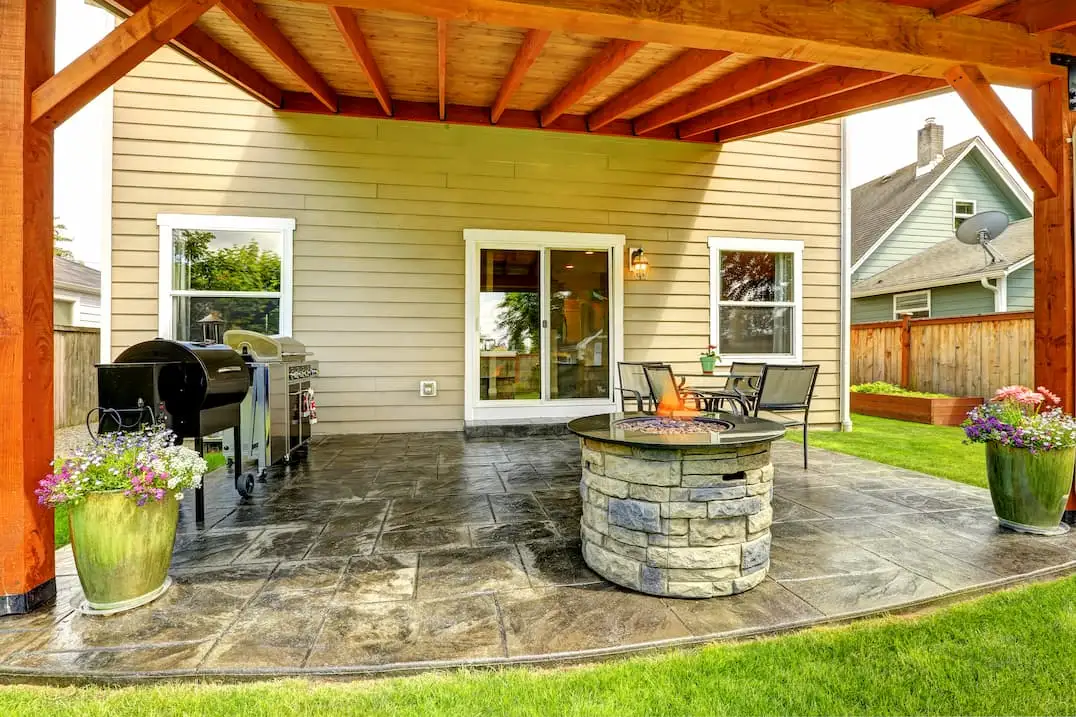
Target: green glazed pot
[708,363]
[1029,490]
[122,550]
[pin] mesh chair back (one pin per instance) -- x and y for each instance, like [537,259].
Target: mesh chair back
[632,383]
[745,376]
[662,383]
[786,387]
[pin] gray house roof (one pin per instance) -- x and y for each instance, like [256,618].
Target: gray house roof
[878,204]
[73,276]
[953,262]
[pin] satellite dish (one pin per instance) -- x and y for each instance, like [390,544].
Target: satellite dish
[982,229]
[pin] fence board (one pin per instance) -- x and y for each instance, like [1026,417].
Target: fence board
[960,356]
[75,351]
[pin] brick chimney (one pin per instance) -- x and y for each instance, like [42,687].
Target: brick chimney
[931,146]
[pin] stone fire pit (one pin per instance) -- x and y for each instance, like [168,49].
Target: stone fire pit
[677,505]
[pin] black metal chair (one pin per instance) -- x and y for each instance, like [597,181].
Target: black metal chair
[783,389]
[633,385]
[741,388]
[665,392]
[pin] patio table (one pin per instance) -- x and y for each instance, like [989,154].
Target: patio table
[712,394]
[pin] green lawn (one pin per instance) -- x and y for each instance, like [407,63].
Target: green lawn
[937,450]
[1009,653]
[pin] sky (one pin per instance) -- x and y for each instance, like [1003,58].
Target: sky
[878,141]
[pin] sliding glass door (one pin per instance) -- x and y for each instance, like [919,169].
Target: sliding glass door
[542,323]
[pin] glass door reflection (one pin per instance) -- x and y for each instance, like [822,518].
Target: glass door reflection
[578,324]
[509,325]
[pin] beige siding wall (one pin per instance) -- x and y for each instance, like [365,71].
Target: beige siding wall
[381,207]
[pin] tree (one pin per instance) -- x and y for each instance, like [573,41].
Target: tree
[58,239]
[520,316]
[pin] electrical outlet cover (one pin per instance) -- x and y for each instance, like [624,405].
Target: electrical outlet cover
[427,389]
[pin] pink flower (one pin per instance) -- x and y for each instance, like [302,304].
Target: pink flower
[1030,398]
[1010,393]
[1050,395]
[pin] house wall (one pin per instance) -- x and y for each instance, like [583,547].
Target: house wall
[1021,290]
[932,221]
[957,300]
[66,313]
[381,207]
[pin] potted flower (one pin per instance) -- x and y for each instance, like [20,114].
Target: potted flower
[124,495]
[1030,453]
[709,358]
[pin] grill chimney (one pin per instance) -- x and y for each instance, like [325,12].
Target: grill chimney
[931,146]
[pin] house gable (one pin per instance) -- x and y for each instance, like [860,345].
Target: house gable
[931,221]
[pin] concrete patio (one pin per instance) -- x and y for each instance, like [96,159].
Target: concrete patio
[400,552]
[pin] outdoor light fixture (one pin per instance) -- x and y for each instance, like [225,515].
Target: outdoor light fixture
[1068,61]
[639,264]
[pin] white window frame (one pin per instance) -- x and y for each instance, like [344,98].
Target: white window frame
[477,239]
[168,223]
[926,292]
[974,210]
[766,246]
[76,305]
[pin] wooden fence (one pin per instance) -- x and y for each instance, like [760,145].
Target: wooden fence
[75,350]
[960,356]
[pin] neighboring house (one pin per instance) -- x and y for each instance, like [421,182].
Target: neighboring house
[76,295]
[905,255]
[401,244]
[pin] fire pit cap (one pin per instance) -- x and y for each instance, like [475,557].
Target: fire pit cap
[729,429]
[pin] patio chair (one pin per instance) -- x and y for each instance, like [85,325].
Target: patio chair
[666,391]
[633,386]
[741,388]
[784,389]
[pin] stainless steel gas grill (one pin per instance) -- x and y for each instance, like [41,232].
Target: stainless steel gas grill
[279,410]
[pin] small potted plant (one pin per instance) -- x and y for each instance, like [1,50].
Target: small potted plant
[709,358]
[124,495]
[1030,454]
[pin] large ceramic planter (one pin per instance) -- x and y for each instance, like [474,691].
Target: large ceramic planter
[122,550]
[1029,490]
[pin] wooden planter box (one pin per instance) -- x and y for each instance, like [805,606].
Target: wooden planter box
[935,411]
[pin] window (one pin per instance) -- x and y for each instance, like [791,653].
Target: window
[962,211]
[234,268]
[756,299]
[915,304]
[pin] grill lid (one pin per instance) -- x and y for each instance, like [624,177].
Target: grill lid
[203,375]
[262,348]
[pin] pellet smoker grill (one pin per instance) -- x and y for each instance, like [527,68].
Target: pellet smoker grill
[195,388]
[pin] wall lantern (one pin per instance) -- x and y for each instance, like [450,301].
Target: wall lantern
[639,264]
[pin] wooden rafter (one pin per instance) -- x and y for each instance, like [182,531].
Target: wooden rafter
[442,64]
[826,83]
[1037,15]
[744,82]
[528,52]
[686,65]
[1005,130]
[852,33]
[845,103]
[948,8]
[208,53]
[348,26]
[609,58]
[97,69]
[265,32]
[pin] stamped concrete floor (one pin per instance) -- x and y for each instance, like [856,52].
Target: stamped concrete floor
[409,551]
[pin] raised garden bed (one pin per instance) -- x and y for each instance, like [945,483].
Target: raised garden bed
[933,409]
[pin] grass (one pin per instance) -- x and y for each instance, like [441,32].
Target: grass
[1008,653]
[892,390]
[935,450]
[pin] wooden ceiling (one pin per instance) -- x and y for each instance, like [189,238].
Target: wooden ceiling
[364,60]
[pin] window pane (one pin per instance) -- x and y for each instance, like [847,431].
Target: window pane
[579,324]
[509,318]
[226,260]
[755,330]
[261,315]
[965,208]
[756,276]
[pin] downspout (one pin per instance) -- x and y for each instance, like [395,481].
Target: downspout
[999,291]
[846,282]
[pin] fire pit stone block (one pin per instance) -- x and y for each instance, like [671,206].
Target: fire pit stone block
[691,522]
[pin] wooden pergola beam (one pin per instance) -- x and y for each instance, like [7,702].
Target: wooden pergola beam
[880,93]
[528,52]
[614,54]
[744,82]
[1005,130]
[948,8]
[348,26]
[201,48]
[828,82]
[265,32]
[867,34]
[97,69]
[1037,15]
[686,65]
[442,64]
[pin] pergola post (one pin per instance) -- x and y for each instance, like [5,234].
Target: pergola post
[27,567]
[1055,261]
